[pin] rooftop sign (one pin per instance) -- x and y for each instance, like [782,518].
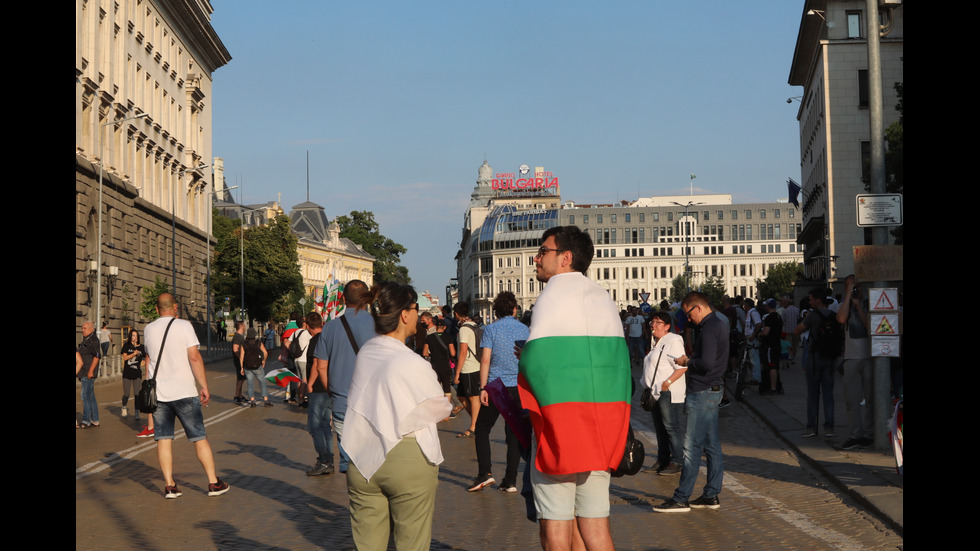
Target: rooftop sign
[542,183]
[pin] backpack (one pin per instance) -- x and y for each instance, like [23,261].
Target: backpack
[295,348]
[253,354]
[829,339]
[478,332]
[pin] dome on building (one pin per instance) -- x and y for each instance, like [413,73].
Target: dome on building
[482,193]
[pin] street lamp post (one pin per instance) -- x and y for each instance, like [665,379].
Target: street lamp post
[209,300]
[241,249]
[687,242]
[173,229]
[98,274]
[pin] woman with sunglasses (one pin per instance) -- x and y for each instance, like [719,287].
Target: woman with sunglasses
[390,432]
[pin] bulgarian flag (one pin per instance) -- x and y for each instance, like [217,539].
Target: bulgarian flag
[574,377]
[282,377]
[333,295]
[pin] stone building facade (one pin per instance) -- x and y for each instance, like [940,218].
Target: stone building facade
[149,65]
[640,246]
[831,64]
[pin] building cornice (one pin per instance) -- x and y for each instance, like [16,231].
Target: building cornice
[192,21]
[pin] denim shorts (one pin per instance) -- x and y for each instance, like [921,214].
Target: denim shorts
[188,410]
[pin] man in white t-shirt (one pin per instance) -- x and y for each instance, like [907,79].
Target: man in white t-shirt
[467,377]
[753,325]
[180,367]
[634,337]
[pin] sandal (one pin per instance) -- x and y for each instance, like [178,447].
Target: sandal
[457,409]
[465,434]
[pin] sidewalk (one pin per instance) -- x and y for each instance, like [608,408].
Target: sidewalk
[869,476]
[264,453]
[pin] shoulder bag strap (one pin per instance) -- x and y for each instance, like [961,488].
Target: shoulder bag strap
[350,334]
[160,355]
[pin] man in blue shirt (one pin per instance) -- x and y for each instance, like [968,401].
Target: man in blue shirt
[499,362]
[334,358]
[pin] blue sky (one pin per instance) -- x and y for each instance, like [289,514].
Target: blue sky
[399,102]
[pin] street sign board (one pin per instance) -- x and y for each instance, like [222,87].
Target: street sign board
[885,347]
[885,324]
[883,299]
[874,209]
[878,262]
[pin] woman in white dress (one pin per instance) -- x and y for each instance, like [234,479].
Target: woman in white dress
[390,431]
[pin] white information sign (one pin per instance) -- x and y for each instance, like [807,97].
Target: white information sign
[885,347]
[883,209]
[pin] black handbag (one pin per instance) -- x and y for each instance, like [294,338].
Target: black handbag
[633,456]
[647,401]
[146,399]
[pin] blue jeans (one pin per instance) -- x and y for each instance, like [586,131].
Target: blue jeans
[252,375]
[701,437]
[636,343]
[339,412]
[318,423]
[90,408]
[754,358]
[819,379]
[188,410]
[669,422]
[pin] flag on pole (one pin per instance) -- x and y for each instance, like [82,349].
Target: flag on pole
[282,377]
[574,377]
[794,192]
[333,300]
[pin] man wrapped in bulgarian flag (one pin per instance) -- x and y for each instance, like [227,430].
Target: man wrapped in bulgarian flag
[574,374]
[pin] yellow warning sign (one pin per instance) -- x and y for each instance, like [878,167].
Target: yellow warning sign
[885,324]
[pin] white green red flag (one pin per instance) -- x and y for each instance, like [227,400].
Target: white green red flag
[574,377]
[333,300]
[282,377]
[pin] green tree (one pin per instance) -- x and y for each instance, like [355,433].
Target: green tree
[779,280]
[894,164]
[150,293]
[271,264]
[714,288]
[361,228]
[678,288]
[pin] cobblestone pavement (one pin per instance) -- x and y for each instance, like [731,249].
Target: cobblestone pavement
[778,493]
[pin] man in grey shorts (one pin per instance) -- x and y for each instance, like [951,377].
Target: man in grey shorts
[181,366]
[578,401]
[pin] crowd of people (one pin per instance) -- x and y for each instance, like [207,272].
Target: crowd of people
[383,375]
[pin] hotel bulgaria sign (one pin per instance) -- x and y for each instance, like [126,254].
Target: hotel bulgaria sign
[523,183]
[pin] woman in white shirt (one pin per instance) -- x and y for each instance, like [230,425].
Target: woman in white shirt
[666,379]
[390,431]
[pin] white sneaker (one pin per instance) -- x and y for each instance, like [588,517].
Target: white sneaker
[125,412]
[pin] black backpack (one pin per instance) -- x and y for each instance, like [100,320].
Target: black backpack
[295,349]
[829,338]
[253,354]
[478,333]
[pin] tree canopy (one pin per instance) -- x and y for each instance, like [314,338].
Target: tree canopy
[779,280]
[714,288]
[894,164]
[361,228]
[678,288]
[150,294]
[271,264]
